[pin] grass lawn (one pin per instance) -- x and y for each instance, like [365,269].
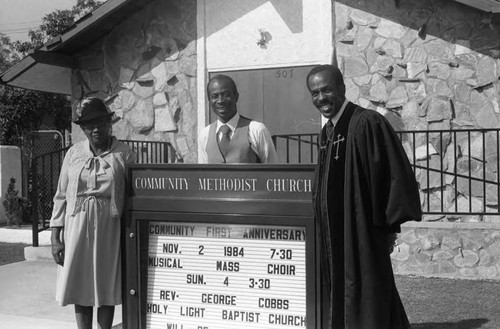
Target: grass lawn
[450,304]
[11,252]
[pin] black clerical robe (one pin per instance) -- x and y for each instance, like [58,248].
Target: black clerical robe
[364,189]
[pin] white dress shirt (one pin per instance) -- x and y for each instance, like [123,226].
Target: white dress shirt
[259,138]
[335,119]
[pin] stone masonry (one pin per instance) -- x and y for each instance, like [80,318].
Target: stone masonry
[146,70]
[424,64]
[433,65]
[429,65]
[447,250]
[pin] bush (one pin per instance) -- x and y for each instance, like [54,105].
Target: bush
[41,194]
[16,207]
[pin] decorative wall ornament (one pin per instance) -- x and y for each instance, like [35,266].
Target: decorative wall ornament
[265,37]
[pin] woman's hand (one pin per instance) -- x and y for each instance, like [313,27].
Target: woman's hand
[58,252]
[57,246]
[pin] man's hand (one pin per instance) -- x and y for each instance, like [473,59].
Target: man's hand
[391,241]
[58,252]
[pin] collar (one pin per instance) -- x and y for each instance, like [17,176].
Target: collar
[88,149]
[337,116]
[231,123]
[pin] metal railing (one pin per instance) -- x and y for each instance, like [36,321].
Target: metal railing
[42,184]
[153,152]
[45,169]
[458,171]
[298,148]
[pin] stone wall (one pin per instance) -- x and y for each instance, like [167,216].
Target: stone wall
[430,65]
[433,65]
[448,250]
[146,70]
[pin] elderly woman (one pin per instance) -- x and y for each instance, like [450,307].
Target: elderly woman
[85,220]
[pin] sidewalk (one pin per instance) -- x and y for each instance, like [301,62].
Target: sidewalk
[28,289]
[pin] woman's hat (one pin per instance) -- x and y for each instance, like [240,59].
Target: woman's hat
[91,108]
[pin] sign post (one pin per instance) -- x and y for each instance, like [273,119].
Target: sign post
[219,246]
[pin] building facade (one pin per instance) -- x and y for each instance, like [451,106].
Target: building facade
[426,65]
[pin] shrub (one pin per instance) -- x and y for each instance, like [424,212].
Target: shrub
[16,207]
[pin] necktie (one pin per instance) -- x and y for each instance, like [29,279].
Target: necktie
[224,141]
[329,127]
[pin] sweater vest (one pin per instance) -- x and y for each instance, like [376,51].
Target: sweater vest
[239,151]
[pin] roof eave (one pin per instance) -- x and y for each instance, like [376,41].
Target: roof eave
[492,6]
[49,67]
[43,71]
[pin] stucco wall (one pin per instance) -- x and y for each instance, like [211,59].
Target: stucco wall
[146,70]
[293,32]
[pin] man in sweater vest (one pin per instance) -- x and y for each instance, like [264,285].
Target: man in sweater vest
[232,138]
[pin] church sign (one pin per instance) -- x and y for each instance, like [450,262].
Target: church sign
[219,246]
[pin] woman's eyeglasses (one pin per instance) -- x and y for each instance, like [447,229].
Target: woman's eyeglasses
[93,125]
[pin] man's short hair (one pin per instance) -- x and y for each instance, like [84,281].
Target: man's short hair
[222,77]
[337,75]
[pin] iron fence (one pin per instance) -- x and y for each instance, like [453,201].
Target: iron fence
[42,184]
[458,171]
[299,148]
[153,152]
[44,175]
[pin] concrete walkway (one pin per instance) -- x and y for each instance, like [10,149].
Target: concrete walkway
[27,298]
[27,289]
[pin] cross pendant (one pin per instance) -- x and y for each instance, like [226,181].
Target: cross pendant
[337,144]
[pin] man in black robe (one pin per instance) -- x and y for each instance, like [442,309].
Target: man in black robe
[364,190]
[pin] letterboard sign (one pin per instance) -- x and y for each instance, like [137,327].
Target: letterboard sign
[203,267]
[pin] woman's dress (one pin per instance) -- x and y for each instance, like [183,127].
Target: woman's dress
[91,274]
